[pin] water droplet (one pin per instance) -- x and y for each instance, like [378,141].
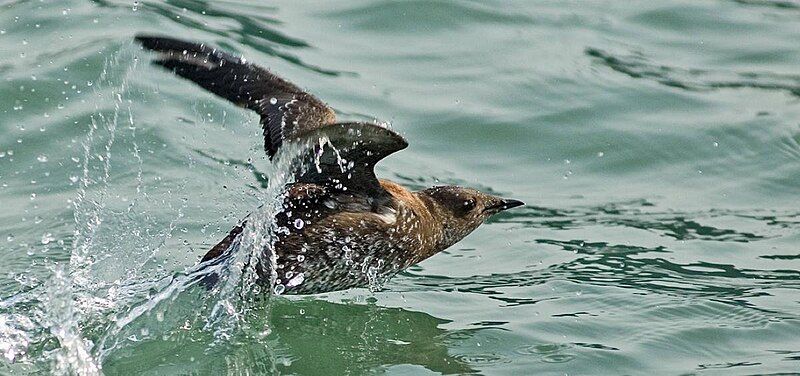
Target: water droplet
[600,154]
[298,223]
[47,238]
[273,100]
[301,258]
[297,280]
[10,237]
[42,158]
[716,144]
[279,289]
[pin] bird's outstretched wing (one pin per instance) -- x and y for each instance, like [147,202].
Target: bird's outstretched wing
[285,109]
[287,113]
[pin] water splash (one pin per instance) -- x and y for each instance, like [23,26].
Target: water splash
[112,281]
[74,354]
[74,294]
[255,246]
[15,336]
[112,293]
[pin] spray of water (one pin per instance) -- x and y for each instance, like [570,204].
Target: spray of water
[95,305]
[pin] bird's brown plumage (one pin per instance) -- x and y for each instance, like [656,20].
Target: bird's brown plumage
[340,226]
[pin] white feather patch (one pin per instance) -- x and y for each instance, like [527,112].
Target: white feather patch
[389,217]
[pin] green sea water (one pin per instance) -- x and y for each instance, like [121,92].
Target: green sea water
[655,143]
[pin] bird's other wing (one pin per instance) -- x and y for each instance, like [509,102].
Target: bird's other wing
[285,109]
[345,155]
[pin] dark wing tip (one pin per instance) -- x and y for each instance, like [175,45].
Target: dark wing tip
[157,43]
[148,41]
[161,43]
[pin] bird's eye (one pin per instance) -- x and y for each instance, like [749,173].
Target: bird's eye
[469,205]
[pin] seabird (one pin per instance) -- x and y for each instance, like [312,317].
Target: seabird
[345,228]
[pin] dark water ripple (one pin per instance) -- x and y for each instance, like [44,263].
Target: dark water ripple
[779,4]
[680,226]
[637,65]
[389,16]
[256,28]
[643,275]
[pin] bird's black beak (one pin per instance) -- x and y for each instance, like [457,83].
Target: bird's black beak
[503,204]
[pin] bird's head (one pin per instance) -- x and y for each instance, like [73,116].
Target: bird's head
[461,210]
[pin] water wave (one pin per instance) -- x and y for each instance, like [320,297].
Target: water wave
[637,65]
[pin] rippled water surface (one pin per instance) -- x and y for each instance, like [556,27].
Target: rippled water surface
[656,144]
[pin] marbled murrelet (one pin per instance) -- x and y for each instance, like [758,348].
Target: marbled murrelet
[345,227]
